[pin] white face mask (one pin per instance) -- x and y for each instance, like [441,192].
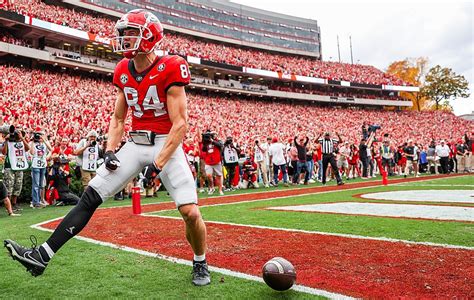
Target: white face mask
[125,43]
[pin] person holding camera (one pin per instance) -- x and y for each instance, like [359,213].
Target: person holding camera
[231,160]
[364,147]
[3,189]
[87,152]
[212,149]
[60,175]
[15,148]
[260,151]
[39,150]
[249,176]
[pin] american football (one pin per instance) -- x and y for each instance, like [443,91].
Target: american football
[167,149]
[279,274]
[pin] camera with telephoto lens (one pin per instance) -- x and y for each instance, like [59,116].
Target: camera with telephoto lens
[228,141]
[36,137]
[373,128]
[207,137]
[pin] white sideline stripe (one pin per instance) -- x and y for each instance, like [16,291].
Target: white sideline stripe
[272,191]
[297,287]
[434,185]
[258,200]
[384,239]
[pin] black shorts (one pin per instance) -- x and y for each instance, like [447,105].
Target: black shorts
[3,191]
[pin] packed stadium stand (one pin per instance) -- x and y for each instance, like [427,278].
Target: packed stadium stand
[216,52]
[69,105]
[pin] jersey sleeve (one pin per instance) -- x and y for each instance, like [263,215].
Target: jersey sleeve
[177,73]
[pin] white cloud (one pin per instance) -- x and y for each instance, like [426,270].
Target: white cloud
[387,31]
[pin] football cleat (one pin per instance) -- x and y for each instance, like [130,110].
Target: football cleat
[30,258]
[201,275]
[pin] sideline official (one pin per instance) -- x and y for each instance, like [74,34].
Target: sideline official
[328,148]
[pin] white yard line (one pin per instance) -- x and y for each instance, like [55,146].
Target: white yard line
[353,236]
[299,288]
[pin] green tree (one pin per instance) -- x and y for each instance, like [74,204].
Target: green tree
[442,84]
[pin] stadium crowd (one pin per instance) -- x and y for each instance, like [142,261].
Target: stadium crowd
[73,111]
[217,52]
[66,105]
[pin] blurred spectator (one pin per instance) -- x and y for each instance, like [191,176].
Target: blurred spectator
[87,152]
[442,151]
[432,157]
[276,152]
[212,149]
[40,151]
[231,155]
[301,163]
[15,149]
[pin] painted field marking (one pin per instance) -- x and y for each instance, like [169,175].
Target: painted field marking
[299,288]
[434,212]
[455,196]
[346,235]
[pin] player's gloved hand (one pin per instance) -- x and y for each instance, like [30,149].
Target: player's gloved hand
[151,171]
[111,161]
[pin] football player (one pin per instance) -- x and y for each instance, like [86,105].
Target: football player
[153,88]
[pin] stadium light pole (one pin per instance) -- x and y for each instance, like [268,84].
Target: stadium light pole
[338,49]
[350,43]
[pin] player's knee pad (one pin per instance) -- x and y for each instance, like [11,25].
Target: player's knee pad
[90,199]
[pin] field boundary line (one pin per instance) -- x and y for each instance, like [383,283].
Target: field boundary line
[299,288]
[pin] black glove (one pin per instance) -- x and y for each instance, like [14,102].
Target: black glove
[151,171]
[111,161]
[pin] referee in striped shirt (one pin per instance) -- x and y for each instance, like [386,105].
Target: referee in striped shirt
[327,147]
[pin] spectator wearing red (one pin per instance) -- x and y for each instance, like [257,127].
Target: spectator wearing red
[212,159]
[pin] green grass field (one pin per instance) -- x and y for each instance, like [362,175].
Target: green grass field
[252,213]
[84,270]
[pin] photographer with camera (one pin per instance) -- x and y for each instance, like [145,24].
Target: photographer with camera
[3,189]
[212,150]
[87,152]
[39,150]
[364,149]
[260,156]
[249,176]
[231,160]
[59,176]
[15,148]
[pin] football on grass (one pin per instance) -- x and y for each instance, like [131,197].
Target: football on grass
[279,274]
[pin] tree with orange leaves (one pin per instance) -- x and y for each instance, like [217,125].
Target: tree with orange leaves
[412,71]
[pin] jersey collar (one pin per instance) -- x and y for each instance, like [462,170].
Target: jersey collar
[140,76]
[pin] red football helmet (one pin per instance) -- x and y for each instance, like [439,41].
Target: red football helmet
[149,36]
